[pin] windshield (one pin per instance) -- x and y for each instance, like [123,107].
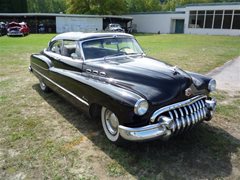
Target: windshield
[102,48]
[114,25]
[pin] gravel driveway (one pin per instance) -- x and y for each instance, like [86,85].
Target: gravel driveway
[228,76]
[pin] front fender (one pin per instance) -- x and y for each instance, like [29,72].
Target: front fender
[120,101]
[200,81]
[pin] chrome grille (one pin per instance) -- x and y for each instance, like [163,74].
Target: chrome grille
[185,114]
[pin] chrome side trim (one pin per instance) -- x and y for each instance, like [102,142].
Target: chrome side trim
[175,106]
[67,91]
[39,66]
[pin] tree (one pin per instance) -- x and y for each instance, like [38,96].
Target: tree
[118,7]
[96,7]
[13,6]
[170,5]
[46,6]
[143,5]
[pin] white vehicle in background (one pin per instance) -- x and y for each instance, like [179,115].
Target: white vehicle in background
[113,27]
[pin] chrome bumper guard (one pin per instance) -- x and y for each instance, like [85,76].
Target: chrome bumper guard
[15,34]
[186,114]
[30,69]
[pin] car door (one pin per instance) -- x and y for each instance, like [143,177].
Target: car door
[66,70]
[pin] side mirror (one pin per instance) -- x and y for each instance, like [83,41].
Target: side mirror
[74,56]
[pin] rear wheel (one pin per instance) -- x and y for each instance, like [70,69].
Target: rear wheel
[110,125]
[43,86]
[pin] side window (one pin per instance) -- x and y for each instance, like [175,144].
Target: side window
[56,47]
[69,47]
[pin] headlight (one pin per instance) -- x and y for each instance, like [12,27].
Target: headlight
[141,107]
[212,85]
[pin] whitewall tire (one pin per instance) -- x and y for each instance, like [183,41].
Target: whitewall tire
[110,125]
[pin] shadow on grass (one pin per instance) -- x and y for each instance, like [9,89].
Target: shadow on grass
[204,153]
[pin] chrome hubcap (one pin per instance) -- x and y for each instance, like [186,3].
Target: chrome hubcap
[111,122]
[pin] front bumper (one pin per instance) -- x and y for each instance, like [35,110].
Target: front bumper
[149,132]
[15,34]
[196,109]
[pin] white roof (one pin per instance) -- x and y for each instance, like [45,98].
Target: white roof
[81,35]
[65,15]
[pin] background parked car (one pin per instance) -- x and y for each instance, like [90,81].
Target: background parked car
[17,29]
[3,29]
[41,28]
[114,28]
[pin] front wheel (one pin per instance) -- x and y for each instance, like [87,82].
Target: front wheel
[110,125]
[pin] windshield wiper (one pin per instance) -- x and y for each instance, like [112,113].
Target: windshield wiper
[114,55]
[137,54]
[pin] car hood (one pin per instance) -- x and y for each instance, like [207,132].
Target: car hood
[15,28]
[154,80]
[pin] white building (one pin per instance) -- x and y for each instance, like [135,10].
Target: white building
[59,23]
[164,22]
[212,19]
[88,23]
[81,24]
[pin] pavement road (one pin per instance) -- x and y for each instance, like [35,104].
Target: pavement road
[227,76]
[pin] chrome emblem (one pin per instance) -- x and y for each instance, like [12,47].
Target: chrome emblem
[188,92]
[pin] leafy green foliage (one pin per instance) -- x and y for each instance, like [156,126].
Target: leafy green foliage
[128,6]
[172,4]
[96,7]
[46,6]
[143,5]
[13,6]
[112,7]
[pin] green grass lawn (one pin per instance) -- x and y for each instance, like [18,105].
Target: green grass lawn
[193,52]
[44,137]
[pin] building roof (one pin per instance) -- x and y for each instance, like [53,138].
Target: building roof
[82,36]
[65,15]
[158,12]
[210,4]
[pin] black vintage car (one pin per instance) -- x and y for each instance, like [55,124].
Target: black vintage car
[136,97]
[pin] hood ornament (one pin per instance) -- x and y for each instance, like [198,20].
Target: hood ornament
[175,70]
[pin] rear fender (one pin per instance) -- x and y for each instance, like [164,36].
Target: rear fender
[40,64]
[40,61]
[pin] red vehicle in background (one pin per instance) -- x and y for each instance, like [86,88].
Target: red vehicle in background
[17,29]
